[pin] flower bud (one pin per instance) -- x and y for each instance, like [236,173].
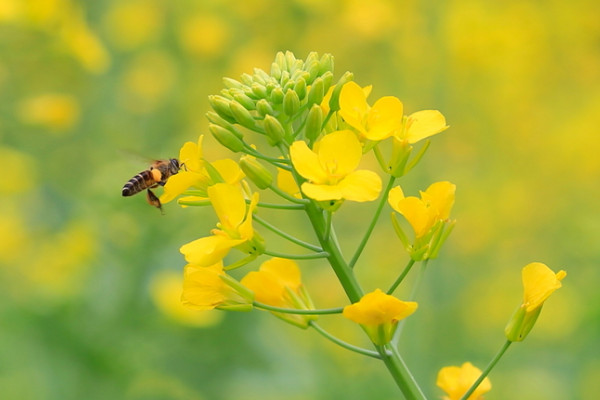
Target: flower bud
[326,63]
[300,88]
[221,105]
[280,60]
[244,100]
[316,92]
[226,138]
[334,102]
[247,79]
[217,120]
[259,90]
[313,70]
[233,84]
[314,122]
[291,103]
[276,71]
[264,107]
[242,115]
[261,76]
[327,80]
[256,172]
[273,129]
[521,324]
[277,96]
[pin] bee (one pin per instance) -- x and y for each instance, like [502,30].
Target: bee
[157,174]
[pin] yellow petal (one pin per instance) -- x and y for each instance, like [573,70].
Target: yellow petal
[228,203]
[440,195]
[208,250]
[360,186]
[422,124]
[189,156]
[306,162]
[377,308]
[265,287]
[394,196]
[177,184]
[339,154]
[353,105]
[229,170]
[246,230]
[203,289]
[287,183]
[418,215]
[384,118]
[539,282]
[284,270]
[322,192]
[455,381]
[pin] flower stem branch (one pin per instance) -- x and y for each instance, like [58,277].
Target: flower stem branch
[322,254]
[487,370]
[400,372]
[343,344]
[287,236]
[322,311]
[286,196]
[401,276]
[365,238]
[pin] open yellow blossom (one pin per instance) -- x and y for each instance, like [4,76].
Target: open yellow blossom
[373,123]
[195,172]
[539,282]
[277,283]
[455,381]
[330,169]
[234,230]
[206,288]
[378,313]
[433,206]
[421,125]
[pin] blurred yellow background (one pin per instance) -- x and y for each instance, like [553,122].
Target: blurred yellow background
[89,281]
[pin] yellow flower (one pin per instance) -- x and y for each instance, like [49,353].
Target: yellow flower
[57,112]
[277,283]
[206,288]
[166,292]
[330,169]
[235,228]
[539,282]
[455,381]
[421,125]
[195,172]
[378,313]
[374,123]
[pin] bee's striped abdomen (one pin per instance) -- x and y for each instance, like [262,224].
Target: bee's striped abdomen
[141,181]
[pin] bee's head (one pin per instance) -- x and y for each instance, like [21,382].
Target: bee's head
[174,165]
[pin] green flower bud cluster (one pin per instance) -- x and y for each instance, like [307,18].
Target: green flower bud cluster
[283,105]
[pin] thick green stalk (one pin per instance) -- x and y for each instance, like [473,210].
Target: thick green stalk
[404,379]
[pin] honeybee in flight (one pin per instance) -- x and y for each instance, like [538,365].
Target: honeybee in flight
[157,174]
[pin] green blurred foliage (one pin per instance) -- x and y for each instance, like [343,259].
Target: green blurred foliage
[88,279]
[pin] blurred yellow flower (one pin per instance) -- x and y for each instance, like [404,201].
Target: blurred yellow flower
[20,173]
[373,123]
[57,112]
[204,35]
[539,282]
[378,313]
[133,23]
[235,227]
[194,173]
[455,381]
[206,288]
[330,169]
[422,214]
[166,292]
[277,283]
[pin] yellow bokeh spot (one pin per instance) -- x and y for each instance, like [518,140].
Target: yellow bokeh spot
[166,289]
[204,35]
[131,24]
[20,175]
[13,236]
[57,112]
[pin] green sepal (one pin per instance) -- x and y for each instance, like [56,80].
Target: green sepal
[415,160]
[400,233]
[521,323]
[256,172]
[217,120]
[221,106]
[334,102]
[226,138]
[242,115]
[244,100]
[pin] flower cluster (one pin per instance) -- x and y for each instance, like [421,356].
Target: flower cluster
[313,134]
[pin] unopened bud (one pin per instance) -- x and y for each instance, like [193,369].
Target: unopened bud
[221,105]
[244,100]
[291,103]
[326,63]
[273,129]
[521,324]
[259,90]
[334,102]
[314,122]
[316,92]
[233,84]
[300,88]
[277,96]
[242,115]
[256,172]
[264,107]
[226,138]
[217,120]
[276,71]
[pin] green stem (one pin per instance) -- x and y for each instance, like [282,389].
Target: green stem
[413,295]
[287,236]
[312,256]
[365,238]
[286,196]
[322,311]
[278,206]
[343,344]
[327,232]
[401,277]
[404,379]
[487,370]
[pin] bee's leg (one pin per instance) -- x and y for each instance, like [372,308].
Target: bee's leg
[153,200]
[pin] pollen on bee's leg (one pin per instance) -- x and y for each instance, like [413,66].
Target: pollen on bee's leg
[156,175]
